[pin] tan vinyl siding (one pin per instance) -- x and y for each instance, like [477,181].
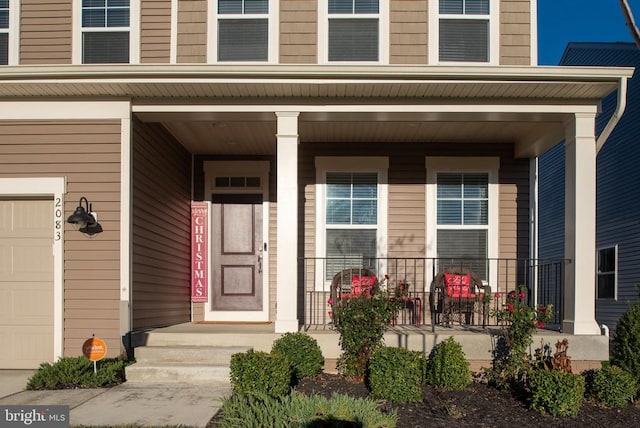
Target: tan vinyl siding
[161,228]
[192,31]
[515,32]
[298,32]
[408,42]
[155,31]
[87,153]
[45,32]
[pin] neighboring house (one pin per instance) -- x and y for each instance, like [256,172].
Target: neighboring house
[617,254]
[386,133]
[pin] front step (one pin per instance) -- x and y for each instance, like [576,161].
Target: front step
[157,364]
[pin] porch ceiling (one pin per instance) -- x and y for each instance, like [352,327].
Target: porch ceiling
[229,109]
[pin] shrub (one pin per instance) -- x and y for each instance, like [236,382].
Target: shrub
[362,323]
[299,410]
[77,372]
[556,392]
[611,386]
[396,374]
[625,346]
[302,352]
[447,366]
[260,373]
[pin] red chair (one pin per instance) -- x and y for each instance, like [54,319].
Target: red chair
[349,283]
[455,293]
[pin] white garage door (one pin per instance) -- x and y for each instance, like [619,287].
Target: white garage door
[26,283]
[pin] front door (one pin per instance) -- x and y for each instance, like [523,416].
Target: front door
[237,253]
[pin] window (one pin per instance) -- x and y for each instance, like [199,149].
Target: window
[354,30]
[105,31]
[462,213]
[242,30]
[464,30]
[351,213]
[607,272]
[4,32]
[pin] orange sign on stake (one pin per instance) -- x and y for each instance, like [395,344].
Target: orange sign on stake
[94,349]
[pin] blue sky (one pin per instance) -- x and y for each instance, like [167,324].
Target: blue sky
[563,21]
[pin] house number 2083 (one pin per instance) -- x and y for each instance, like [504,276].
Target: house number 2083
[58,219]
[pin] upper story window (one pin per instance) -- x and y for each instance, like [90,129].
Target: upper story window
[4,32]
[464,31]
[354,30]
[242,30]
[105,31]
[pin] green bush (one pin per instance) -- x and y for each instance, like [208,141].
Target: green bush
[302,352]
[77,372]
[362,323]
[557,392]
[299,410]
[396,374]
[447,366]
[260,373]
[611,386]
[625,346]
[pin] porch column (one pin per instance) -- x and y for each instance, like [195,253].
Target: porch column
[580,226]
[287,223]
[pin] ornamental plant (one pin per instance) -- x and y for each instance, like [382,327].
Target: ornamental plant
[362,321]
[519,322]
[625,346]
[303,353]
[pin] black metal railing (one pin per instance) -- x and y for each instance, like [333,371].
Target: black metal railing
[543,280]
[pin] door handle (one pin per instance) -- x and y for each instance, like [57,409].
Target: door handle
[259,263]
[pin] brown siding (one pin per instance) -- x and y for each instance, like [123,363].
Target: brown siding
[192,31]
[88,154]
[515,32]
[298,32]
[161,229]
[45,32]
[155,31]
[408,32]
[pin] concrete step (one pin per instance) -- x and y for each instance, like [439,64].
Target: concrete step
[257,341]
[207,355]
[172,372]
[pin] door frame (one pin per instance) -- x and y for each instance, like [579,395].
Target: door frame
[49,188]
[239,169]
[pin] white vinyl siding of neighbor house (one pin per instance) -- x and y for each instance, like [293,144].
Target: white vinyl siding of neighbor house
[464,32]
[347,183]
[242,31]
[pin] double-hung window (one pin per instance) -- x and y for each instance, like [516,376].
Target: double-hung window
[464,30]
[607,272]
[462,221]
[353,30]
[351,217]
[105,31]
[4,32]
[242,30]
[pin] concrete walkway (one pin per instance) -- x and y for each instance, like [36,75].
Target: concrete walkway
[141,404]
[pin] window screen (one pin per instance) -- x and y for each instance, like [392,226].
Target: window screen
[105,47]
[243,40]
[105,37]
[463,32]
[354,30]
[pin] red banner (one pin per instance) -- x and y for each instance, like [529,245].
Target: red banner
[199,252]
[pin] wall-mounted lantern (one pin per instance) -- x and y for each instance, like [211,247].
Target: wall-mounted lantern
[85,219]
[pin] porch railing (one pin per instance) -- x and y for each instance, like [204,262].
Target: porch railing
[544,280]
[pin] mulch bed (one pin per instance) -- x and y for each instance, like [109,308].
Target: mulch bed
[479,405]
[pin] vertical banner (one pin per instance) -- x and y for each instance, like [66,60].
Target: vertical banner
[199,252]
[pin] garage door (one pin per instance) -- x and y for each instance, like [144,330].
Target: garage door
[26,283]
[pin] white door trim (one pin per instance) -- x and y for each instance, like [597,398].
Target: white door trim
[240,169]
[50,187]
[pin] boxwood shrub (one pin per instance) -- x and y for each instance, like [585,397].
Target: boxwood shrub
[448,367]
[556,392]
[260,373]
[611,386]
[396,374]
[302,352]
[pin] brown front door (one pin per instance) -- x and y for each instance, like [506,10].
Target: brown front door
[236,251]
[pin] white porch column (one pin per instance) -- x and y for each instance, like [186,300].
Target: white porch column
[287,223]
[580,226]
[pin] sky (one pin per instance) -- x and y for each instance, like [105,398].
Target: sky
[564,21]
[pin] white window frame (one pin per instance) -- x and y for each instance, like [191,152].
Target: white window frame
[494,33]
[323,32]
[273,32]
[13,33]
[489,165]
[615,273]
[325,164]
[133,29]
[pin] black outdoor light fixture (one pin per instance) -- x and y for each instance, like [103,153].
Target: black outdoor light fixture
[84,219]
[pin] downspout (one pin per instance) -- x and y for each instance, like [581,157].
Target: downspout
[617,114]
